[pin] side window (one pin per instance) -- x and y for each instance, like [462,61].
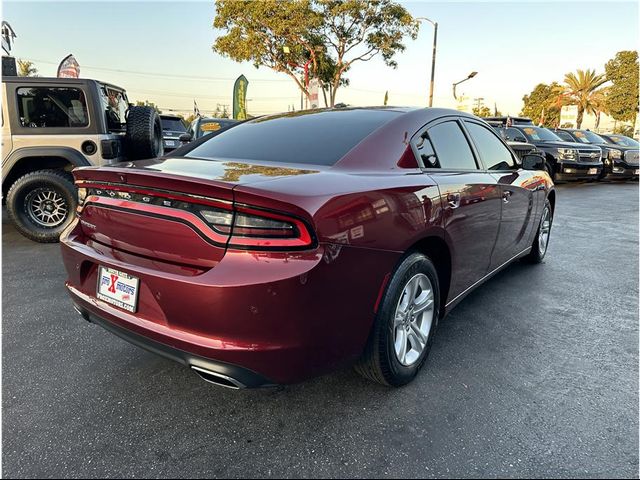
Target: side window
[514,135]
[425,150]
[564,136]
[492,151]
[451,147]
[46,107]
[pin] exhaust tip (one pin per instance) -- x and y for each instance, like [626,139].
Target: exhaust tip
[217,378]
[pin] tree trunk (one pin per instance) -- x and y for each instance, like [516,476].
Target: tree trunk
[324,95]
[597,120]
[579,117]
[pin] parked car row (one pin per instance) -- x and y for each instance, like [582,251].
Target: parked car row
[573,154]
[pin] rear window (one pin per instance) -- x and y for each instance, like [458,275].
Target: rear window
[316,138]
[173,124]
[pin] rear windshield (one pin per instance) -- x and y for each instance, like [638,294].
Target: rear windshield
[173,124]
[316,138]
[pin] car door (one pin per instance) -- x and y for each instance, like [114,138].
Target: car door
[517,191]
[470,198]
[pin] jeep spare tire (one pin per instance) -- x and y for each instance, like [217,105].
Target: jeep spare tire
[144,133]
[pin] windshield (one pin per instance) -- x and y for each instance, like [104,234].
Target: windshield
[212,125]
[173,124]
[588,137]
[622,140]
[539,134]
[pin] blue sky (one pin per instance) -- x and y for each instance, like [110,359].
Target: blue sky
[513,46]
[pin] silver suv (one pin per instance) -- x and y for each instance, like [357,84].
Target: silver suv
[52,125]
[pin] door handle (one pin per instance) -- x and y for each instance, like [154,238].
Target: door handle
[506,196]
[453,199]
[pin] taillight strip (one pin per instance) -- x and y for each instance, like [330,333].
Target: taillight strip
[303,240]
[167,213]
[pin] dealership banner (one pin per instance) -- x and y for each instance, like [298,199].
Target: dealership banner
[240,98]
[69,67]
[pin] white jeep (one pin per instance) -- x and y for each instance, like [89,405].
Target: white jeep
[52,125]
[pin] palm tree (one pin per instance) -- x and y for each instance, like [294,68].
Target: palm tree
[581,89]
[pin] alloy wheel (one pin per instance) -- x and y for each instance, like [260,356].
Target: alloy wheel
[545,229]
[46,207]
[412,320]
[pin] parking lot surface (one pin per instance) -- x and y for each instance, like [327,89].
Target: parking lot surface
[534,374]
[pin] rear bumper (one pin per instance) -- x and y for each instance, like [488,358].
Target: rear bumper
[283,316]
[243,377]
[568,170]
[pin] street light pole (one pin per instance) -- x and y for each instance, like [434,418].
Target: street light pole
[433,56]
[471,75]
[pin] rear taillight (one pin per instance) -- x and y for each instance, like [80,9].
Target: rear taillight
[261,229]
[244,226]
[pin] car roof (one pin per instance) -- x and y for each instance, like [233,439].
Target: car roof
[56,80]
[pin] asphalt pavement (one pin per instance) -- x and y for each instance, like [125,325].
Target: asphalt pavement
[535,374]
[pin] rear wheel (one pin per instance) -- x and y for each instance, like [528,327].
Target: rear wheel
[41,204]
[541,241]
[403,330]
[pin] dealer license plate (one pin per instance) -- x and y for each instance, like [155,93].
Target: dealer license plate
[169,143]
[118,288]
[592,171]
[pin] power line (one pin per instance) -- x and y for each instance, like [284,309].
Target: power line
[166,75]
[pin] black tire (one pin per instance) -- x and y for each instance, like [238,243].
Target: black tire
[549,169]
[144,134]
[26,192]
[379,362]
[538,253]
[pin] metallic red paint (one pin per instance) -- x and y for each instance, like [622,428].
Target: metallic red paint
[288,315]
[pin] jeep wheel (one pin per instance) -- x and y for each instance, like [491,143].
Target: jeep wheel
[42,204]
[144,133]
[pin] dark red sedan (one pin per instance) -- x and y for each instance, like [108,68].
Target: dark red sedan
[289,245]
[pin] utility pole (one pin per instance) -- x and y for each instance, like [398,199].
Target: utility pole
[433,56]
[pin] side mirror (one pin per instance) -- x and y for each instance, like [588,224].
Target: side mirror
[185,137]
[532,162]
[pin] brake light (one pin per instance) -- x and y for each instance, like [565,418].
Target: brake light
[256,228]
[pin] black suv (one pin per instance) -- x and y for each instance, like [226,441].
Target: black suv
[172,127]
[563,160]
[620,161]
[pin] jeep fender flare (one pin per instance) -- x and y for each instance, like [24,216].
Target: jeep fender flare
[71,155]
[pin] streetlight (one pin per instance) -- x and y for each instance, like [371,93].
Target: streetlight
[471,75]
[433,56]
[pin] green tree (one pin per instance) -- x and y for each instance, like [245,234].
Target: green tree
[27,69]
[580,89]
[221,111]
[286,35]
[543,104]
[482,111]
[147,103]
[622,96]
[358,30]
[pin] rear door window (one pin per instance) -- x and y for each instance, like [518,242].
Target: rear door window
[451,147]
[52,107]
